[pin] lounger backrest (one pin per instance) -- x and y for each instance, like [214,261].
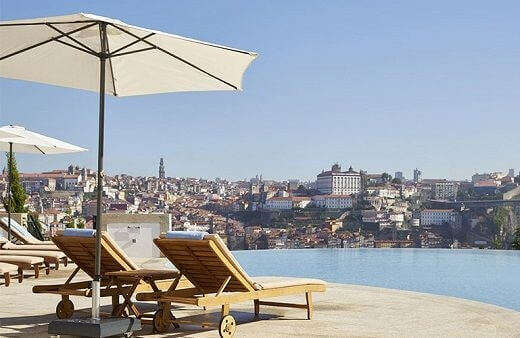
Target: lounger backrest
[206,263]
[81,250]
[18,231]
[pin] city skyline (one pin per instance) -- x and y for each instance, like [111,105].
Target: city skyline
[388,88]
[163,173]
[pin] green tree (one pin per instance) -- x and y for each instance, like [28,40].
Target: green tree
[397,181]
[18,195]
[80,225]
[516,241]
[68,220]
[499,222]
[386,177]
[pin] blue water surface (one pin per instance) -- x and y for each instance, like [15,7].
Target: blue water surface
[489,276]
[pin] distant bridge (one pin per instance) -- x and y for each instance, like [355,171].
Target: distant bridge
[474,204]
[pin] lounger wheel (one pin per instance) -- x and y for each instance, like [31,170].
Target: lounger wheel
[65,309]
[227,326]
[159,324]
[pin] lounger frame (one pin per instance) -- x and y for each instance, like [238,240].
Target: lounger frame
[81,250]
[218,281]
[36,267]
[7,275]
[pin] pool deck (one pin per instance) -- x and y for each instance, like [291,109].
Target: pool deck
[342,311]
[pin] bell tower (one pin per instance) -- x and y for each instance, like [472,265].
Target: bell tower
[161,169]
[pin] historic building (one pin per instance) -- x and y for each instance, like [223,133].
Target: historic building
[161,169]
[337,182]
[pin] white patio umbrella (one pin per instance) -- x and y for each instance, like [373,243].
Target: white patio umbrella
[100,54]
[4,134]
[15,139]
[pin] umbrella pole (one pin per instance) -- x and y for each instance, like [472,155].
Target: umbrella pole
[10,165]
[97,273]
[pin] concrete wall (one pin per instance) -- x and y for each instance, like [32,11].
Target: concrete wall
[164,220]
[134,233]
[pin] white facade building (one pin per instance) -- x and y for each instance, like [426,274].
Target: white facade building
[300,202]
[333,201]
[436,216]
[279,203]
[337,182]
[445,190]
[386,191]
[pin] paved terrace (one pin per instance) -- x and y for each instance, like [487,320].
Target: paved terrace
[342,311]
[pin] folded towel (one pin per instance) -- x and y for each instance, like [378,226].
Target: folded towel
[186,234]
[79,232]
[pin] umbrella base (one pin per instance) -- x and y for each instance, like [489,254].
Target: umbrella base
[89,327]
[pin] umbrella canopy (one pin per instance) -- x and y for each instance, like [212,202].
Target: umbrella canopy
[25,141]
[16,139]
[5,134]
[95,53]
[63,51]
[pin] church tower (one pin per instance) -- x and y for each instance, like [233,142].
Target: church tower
[161,169]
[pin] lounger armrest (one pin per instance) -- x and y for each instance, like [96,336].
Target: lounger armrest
[145,274]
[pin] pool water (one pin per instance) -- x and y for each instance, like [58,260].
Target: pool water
[489,276]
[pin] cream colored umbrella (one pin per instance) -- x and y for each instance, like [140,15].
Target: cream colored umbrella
[108,56]
[15,139]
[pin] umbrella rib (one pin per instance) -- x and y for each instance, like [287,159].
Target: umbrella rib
[132,43]
[43,152]
[132,51]
[46,41]
[111,69]
[73,39]
[76,47]
[45,23]
[96,21]
[176,57]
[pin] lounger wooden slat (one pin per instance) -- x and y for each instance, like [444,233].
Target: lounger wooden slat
[27,263]
[219,281]
[6,270]
[81,250]
[49,257]
[20,233]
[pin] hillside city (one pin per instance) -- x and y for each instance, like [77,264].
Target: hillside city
[340,209]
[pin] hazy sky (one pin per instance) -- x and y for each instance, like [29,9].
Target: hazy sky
[379,85]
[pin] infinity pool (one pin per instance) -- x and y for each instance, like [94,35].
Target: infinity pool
[484,275]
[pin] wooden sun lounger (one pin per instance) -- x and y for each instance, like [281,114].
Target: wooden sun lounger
[219,280]
[81,251]
[6,270]
[7,245]
[20,233]
[49,257]
[27,263]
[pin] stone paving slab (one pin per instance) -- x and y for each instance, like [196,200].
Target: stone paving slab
[342,311]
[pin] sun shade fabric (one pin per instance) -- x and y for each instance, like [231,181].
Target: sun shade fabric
[5,134]
[26,141]
[79,232]
[199,235]
[178,64]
